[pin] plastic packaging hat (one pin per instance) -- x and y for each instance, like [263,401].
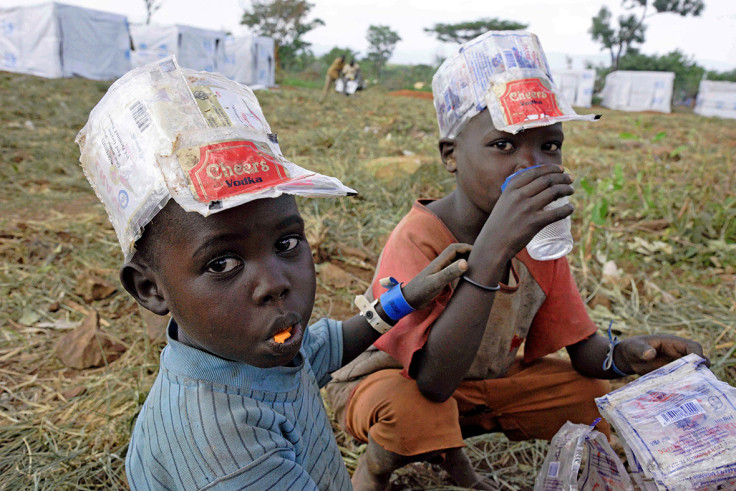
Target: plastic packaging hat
[506,72]
[163,132]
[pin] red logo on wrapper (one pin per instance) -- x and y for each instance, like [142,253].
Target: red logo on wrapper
[528,100]
[232,168]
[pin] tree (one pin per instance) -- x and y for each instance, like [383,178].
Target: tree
[465,31]
[631,29]
[381,41]
[286,22]
[725,76]
[151,7]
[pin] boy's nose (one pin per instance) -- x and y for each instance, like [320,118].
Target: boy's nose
[271,285]
[527,157]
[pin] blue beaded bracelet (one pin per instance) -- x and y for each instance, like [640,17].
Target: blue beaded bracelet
[608,363]
[393,302]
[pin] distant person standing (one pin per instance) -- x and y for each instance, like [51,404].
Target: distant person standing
[352,77]
[333,73]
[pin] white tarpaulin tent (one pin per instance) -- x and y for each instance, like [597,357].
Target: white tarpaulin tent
[576,85]
[250,60]
[195,48]
[716,98]
[638,91]
[57,40]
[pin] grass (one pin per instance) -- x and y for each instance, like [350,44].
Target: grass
[656,197]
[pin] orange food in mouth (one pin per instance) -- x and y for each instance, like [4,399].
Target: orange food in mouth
[282,336]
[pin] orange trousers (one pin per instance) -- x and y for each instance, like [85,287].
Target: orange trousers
[533,401]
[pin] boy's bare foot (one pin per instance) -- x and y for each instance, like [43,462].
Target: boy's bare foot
[375,467]
[461,471]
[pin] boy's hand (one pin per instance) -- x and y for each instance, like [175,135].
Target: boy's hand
[445,268]
[519,212]
[642,354]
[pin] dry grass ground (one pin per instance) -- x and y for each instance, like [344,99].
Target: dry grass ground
[656,195]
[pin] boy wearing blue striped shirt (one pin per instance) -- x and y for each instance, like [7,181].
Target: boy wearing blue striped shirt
[236,403]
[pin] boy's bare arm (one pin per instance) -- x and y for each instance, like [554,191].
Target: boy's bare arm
[444,269]
[456,334]
[634,355]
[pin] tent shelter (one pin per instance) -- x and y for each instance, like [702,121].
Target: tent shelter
[195,48]
[576,85]
[250,60]
[716,99]
[56,40]
[638,91]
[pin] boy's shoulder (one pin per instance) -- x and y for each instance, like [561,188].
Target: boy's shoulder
[422,226]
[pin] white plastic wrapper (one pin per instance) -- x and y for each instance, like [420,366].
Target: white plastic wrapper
[162,132]
[577,445]
[678,424]
[506,72]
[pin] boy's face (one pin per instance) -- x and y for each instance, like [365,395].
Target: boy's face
[234,279]
[483,157]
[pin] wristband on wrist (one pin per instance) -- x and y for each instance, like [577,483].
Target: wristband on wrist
[368,310]
[608,363]
[393,303]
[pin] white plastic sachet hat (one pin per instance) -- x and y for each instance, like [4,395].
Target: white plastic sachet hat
[162,131]
[506,72]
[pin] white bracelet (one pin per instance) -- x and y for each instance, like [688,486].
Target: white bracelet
[368,310]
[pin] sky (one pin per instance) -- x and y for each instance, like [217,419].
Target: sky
[562,25]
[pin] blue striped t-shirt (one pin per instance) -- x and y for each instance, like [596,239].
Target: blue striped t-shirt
[209,423]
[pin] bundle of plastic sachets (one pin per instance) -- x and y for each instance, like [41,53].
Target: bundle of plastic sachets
[580,459]
[678,427]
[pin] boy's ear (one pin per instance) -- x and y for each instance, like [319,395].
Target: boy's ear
[447,152]
[143,285]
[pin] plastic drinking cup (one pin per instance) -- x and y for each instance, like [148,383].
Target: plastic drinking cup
[554,240]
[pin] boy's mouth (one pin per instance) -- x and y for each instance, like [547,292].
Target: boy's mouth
[285,331]
[282,336]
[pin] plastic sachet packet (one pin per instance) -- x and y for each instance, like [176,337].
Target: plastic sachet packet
[575,446]
[678,425]
[506,72]
[164,132]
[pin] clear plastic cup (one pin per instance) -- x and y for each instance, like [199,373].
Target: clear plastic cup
[554,240]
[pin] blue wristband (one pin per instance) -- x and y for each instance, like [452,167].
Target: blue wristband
[394,304]
[608,363]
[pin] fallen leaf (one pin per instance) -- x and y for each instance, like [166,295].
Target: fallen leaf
[155,324]
[335,276]
[29,317]
[651,287]
[74,392]
[600,300]
[92,288]
[354,252]
[88,346]
[391,167]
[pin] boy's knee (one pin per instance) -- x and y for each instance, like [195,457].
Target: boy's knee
[590,388]
[391,408]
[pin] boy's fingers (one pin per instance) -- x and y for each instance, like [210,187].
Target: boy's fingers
[451,253]
[449,273]
[639,350]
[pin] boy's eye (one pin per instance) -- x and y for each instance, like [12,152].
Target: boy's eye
[287,244]
[223,264]
[552,146]
[503,145]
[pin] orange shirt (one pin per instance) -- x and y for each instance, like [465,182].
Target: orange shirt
[541,308]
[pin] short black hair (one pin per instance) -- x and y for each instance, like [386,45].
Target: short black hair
[170,220]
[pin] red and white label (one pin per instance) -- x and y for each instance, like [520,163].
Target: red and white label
[528,100]
[233,168]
